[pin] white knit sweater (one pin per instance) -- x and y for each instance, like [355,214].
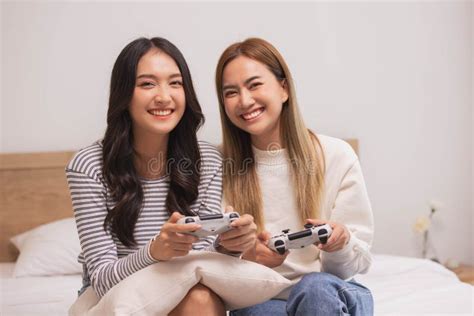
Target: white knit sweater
[345,201]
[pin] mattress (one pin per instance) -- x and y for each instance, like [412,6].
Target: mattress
[400,286]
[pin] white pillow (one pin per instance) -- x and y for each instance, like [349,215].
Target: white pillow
[158,288]
[49,249]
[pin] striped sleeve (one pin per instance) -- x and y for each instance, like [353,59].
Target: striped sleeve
[211,194]
[99,250]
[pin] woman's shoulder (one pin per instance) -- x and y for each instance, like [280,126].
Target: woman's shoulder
[336,150]
[88,160]
[209,153]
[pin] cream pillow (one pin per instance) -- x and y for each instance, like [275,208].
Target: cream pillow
[49,249]
[157,289]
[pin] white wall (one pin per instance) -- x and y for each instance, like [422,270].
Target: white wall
[398,76]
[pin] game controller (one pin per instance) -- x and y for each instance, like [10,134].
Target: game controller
[213,224]
[310,235]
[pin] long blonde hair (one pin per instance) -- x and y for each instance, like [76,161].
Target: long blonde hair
[241,184]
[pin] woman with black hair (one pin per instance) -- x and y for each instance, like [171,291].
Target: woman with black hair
[130,189]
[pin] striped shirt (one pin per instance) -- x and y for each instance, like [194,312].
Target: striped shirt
[105,259]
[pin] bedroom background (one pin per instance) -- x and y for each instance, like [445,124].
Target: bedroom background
[396,76]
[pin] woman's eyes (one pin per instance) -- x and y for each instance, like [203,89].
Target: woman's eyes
[229,94]
[146,84]
[232,93]
[150,84]
[176,83]
[254,85]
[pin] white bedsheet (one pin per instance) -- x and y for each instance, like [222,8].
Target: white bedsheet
[400,285]
[411,286]
[36,295]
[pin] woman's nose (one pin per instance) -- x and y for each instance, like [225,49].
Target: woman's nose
[163,96]
[246,98]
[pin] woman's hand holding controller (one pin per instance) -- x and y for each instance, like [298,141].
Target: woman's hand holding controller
[264,255]
[172,240]
[242,237]
[339,238]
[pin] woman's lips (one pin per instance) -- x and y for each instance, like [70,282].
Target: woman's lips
[252,115]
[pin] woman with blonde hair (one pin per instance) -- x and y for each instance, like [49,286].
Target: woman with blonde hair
[285,176]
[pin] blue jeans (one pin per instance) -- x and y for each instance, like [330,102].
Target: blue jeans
[317,293]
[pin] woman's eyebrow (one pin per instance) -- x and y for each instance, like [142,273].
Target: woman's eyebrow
[230,86]
[150,76]
[146,76]
[250,79]
[176,75]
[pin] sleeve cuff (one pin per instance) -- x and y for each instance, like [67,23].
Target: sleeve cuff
[218,248]
[149,258]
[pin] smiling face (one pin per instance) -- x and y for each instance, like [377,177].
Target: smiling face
[253,100]
[158,100]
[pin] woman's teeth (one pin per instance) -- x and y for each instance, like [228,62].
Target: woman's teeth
[160,112]
[253,114]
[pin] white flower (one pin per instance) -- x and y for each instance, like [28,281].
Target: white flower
[435,205]
[422,224]
[452,264]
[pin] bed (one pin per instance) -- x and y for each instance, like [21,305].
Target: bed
[35,199]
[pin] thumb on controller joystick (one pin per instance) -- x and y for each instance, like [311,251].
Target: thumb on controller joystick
[174,217]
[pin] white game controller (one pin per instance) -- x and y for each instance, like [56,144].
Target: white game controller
[213,224]
[310,235]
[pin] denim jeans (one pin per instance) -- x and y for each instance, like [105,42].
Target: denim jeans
[317,293]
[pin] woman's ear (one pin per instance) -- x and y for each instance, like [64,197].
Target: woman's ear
[285,94]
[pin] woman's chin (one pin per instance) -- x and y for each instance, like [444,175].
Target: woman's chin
[160,131]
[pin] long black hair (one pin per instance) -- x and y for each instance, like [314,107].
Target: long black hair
[118,153]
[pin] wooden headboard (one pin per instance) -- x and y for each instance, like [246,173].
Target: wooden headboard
[34,191]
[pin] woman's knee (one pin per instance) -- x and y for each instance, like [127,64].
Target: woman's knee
[200,300]
[316,294]
[322,278]
[200,295]
[319,283]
